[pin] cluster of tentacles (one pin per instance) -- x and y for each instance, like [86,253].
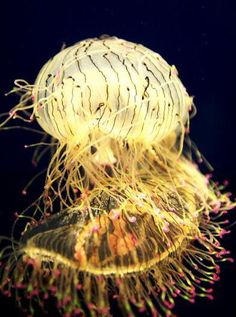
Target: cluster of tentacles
[137,234]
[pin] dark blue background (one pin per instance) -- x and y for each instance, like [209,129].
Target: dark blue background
[197,36]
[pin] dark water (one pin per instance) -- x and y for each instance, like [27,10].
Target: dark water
[199,37]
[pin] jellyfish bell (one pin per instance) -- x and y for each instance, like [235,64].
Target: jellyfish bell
[109,88]
[119,87]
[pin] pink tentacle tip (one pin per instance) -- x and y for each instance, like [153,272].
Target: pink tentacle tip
[53,289]
[225,182]
[166,227]
[95,228]
[230,260]
[79,286]
[132,219]
[169,305]
[115,214]
[209,296]
[216,277]
[223,232]
[142,309]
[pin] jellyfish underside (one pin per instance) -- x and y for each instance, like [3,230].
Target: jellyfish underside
[112,248]
[109,240]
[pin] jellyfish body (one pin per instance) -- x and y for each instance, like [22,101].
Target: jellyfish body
[101,97]
[134,219]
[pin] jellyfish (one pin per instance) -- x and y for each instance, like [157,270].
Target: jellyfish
[137,223]
[102,98]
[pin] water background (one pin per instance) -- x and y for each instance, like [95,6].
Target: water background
[199,37]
